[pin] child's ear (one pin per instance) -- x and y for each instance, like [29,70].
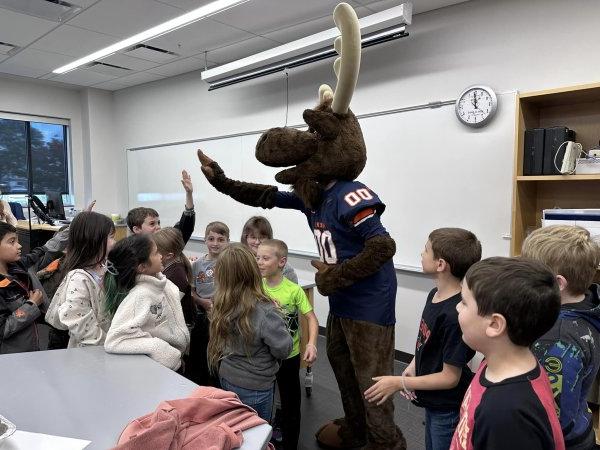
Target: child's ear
[136,229]
[496,326]
[562,283]
[282,261]
[442,265]
[141,268]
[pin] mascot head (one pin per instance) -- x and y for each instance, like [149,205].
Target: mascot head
[333,147]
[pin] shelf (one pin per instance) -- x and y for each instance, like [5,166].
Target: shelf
[587,177]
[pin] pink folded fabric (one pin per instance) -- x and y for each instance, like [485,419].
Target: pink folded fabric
[209,419]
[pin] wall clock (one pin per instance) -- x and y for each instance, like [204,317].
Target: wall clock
[476,106]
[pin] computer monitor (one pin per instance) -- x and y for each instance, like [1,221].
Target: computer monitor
[54,204]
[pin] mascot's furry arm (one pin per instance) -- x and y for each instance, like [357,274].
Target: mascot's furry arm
[262,195]
[377,251]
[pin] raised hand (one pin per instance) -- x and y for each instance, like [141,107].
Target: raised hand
[186,181]
[206,162]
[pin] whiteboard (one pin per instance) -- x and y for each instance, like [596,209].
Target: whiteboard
[430,171]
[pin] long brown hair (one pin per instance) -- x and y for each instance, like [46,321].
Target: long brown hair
[238,288]
[258,225]
[170,240]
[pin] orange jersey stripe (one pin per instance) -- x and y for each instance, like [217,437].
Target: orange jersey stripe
[362,214]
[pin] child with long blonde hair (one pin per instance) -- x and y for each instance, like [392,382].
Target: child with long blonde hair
[248,336]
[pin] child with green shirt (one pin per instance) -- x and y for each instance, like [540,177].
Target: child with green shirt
[272,258]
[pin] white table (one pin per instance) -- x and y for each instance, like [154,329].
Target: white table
[89,394]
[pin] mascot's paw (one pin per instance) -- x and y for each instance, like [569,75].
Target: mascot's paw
[329,278]
[206,163]
[213,172]
[334,435]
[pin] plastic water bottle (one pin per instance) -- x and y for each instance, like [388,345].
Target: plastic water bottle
[308,381]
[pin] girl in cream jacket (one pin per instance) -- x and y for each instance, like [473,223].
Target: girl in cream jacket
[146,308]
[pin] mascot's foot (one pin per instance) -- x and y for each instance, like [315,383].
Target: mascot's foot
[335,435]
[399,445]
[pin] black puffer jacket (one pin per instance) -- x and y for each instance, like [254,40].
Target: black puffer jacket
[18,329]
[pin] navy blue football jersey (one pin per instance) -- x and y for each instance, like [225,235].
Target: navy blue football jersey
[349,215]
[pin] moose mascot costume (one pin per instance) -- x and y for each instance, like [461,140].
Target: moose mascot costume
[355,268]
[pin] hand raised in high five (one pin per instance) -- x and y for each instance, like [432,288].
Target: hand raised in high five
[206,163]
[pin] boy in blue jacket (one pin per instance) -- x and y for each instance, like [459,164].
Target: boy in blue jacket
[569,351]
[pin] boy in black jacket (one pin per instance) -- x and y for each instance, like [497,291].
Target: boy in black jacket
[22,299]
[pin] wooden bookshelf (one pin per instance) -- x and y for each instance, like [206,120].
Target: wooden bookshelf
[576,107]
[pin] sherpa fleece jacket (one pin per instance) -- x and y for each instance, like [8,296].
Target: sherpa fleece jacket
[150,321]
[208,419]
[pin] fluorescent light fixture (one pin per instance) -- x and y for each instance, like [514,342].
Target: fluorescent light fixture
[166,27]
[397,16]
[377,37]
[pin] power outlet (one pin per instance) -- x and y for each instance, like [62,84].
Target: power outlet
[595,153]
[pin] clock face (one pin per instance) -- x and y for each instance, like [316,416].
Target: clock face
[476,106]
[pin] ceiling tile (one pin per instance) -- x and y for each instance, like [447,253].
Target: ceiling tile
[186,5]
[181,66]
[74,41]
[241,49]
[15,69]
[124,18]
[129,62]
[302,30]
[20,29]
[138,78]
[38,59]
[81,77]
[262,16]
[110,86]
[199,36]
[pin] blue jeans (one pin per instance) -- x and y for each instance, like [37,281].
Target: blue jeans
[439,428]
[260,401]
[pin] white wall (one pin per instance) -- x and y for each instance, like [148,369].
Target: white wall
[507,44]
[107,173]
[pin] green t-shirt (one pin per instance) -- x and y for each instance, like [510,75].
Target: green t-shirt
[294,302]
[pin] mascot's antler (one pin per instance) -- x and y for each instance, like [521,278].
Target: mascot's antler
[347,65]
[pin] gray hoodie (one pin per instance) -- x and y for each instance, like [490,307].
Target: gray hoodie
[254,364]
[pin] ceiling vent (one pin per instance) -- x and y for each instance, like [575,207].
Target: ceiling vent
[108,69]
[54,10]
[151,53]
[7,49]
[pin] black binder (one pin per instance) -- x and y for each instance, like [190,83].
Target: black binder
[533,153]
[555,137]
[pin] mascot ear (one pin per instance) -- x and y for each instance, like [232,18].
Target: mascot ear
[323,122]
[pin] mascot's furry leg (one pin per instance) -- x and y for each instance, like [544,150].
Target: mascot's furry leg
[350,349]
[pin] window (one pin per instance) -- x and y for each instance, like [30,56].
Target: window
[33,153]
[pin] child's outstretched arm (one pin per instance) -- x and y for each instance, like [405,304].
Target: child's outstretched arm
[386,386]
[186,181]
[187,222]
[310,354]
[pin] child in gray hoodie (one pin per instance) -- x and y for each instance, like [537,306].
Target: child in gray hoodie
[248,336]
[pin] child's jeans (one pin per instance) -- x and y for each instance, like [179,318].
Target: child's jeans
[439,427]
[260,401]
